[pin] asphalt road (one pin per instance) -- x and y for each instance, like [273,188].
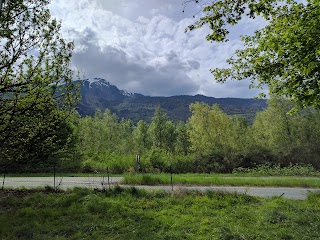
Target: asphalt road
[61,182]
[99,182]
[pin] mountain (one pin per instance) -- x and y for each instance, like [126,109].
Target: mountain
[98,93]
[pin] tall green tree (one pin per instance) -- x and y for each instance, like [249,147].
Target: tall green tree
[126,136]
[37,93]
[241,139]
[284,55]
[273,128]
[213,138]
[210,129]
[107,131]
[140,137]
[170,137]
[100,139]
[157,128]
[183,143]
[306,132]
[285,138]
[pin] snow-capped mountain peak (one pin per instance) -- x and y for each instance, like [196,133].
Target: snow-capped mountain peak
[104,89]
[98,82]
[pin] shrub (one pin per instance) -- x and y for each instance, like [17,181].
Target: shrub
[277,170]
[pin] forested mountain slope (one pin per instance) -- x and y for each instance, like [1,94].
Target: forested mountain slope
[98,93]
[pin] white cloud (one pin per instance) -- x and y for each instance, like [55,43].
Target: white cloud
[141,46]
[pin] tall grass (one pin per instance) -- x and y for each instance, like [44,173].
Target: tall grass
[136,214]
[221,180]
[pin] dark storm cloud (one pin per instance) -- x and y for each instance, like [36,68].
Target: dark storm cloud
[115,65]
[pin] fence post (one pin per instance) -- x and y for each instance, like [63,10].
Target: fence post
[138,163]
[108,177]
[54,177]
[102,184]
[171,178]
[4,177]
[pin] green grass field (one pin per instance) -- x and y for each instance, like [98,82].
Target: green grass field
[137,214]
[223,180]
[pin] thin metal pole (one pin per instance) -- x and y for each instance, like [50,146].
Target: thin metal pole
[171,178]
[54,177]
[108,177]
[4,177]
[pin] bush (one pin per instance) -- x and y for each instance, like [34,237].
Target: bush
[158,159]
[277,170]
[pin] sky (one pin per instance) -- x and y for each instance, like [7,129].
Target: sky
[141,46]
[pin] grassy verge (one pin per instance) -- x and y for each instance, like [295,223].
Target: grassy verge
[245,179]
[220,180]
[137,214]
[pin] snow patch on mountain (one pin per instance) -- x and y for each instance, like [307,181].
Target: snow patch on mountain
[126,93]
[100,82]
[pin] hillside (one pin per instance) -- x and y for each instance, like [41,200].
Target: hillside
[98,93]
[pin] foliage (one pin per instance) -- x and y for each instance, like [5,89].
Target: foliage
[284,55]
[209,142]
[273,128]
[140,137]
[221,14]
[37,93]
[214,138]
[277,170]
[210,128]
[158,130]
[286,138]
[183,143]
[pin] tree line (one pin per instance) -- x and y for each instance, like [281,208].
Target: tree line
[210,141]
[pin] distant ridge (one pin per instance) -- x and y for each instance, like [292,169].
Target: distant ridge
[98,93]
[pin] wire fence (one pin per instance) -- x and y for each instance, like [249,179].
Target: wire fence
[168,180]
[101,183]
[62,181]
[56,179]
